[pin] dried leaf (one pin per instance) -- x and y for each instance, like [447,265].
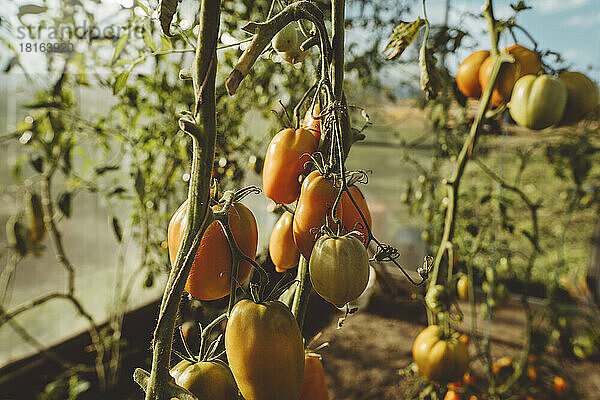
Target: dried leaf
[431,82]
[167,10]
[404,34]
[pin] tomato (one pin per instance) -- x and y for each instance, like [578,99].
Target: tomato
[210,276]
[205,380]
[538,101]
[351,219]
[265,351]
[462,287]
[283,250]
[467,379]
[437,299]
[526,62]
[311,123]
[531,372]
[339,268]
[452,395]
[582,96]
[440,359]
[467,76]
[286,39]
[560,386]
[314,386]
[316,201]
[37,228]
[285,162]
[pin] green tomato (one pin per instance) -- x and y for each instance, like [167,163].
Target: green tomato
[582,96]
[206,380]
[286,39]
[538,102]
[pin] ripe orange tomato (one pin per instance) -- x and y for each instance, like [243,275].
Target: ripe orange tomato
[526,62]
[313,124]
[440,359]
[316,201]
[314,386]
[265,351]
[452,395]
[467,76]
[560,386]
[210,277]
[205,380]
[351,219]
[339,268]
[285,162]
[283,250]
[582,96]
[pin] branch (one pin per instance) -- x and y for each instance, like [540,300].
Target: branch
[264,33]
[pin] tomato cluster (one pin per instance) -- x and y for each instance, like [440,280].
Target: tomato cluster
[537,100]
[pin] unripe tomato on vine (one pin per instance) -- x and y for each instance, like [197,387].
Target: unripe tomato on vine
[210,276]
[440,359]
[206,379]
[265,351]
[582,96]
[339,268]
[316,200]
[538,102]
[287,43]
[283,250]
[285,161]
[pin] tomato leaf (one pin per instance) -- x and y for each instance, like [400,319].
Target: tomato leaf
[148,39]
[431,82]
[140,184]
[120,82]
[64,203]
[402,36]
[167,10]
[119,47]
[117,229]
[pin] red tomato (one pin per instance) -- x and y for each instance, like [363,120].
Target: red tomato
[351,219]
[283,250]
[452,395]
[285,162]
[314,386]
[311,123]
[210,278]
[316,200]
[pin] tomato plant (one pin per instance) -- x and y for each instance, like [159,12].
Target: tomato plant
[316,200]
[282,247]
[339,268]
[314,386]
[351,219]
[440,359]
[538,101]
[265,351]
[206,379]
[210,278]
[582,96]
[312,122]
[284,163]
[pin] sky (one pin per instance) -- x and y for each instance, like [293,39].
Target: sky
[570,27]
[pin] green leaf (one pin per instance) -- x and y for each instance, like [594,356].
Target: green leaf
[404,34]
[119,47]
[143,7]
[31,9]
[140,184]
[120,62]
[167,10]
[148,39]
[65,200]
[431,82]
[166,43]
[120,82]
[117,228]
